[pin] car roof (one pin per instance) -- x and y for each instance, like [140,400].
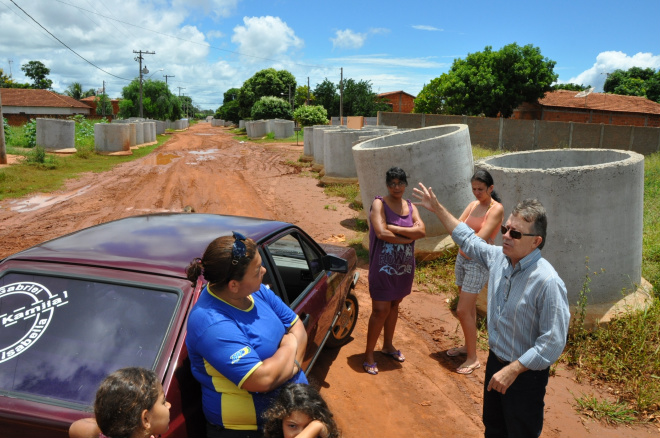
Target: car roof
[163,244]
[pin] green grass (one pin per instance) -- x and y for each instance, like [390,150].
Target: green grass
[350,192]
[48,173]
[612,413]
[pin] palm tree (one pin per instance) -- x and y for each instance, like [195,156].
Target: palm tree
[75,90]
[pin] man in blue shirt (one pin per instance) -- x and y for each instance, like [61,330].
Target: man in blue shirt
[528,315]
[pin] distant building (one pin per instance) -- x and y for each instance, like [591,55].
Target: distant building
[91,101]
[610,109]
[400,101]
[20,105]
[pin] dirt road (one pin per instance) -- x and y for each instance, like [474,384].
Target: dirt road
[204,168]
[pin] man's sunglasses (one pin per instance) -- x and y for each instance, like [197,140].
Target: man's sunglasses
[513,233]
[238,249]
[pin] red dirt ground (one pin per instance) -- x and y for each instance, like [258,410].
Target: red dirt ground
[208,170]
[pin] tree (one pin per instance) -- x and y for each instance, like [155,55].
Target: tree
[270,107]
[326,96]
[90,92]
[310,115]
[495,83]
[103,105]
[230,107]
[158,102]
[300,97]
[635,81]
[74,90]
[431,99]
[37,71]
[267,82]
[570,87]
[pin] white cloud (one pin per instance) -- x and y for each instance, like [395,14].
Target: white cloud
[425,27]
[607,62]
[265,37]
[379,30]
[347,39]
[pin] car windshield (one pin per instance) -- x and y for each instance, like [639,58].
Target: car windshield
[60,336]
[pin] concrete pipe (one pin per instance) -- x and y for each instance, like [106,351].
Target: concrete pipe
[283,128]
[338,162]
[594,199]
[438,156]
[259,129]
[111,138]
[56,135]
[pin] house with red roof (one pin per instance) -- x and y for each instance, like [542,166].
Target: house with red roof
[609,109]
[20,105]
[400,101]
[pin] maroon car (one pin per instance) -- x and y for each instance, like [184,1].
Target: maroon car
[76,308]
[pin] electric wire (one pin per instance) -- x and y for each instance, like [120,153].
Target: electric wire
[61,42]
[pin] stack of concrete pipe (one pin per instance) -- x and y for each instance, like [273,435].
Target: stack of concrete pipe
[338,163]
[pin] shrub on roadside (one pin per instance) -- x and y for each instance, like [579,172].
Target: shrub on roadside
[270,107]
[5,127]
[311,115]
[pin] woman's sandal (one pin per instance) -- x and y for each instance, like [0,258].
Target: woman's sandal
[468,369]
[396,355]
[370,368]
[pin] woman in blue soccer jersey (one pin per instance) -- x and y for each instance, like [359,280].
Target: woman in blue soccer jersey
[244,342]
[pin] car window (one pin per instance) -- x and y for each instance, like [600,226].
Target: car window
[297,262]
[60,336]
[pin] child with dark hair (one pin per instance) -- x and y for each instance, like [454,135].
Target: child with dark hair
[129,403]
[299,411]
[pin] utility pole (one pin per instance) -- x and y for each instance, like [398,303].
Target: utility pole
[3,148]
[180,88]
[139,58]
[341,97]
[167,76]
[10,61]
[308,98]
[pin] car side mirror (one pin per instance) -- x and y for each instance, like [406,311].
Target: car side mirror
[334,264]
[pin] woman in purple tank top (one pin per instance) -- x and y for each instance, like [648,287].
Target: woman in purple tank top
[395,224]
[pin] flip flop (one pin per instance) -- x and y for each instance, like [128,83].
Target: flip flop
[370,368]
[396,355]
[469,369]
[456,351]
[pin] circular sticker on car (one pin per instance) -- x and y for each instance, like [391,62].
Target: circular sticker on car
[27,308]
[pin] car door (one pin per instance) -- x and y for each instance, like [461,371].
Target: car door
[296,274]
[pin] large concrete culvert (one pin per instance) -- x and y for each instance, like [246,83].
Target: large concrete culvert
[594,200]
[438,156]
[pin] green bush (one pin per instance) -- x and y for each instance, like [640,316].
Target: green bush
[270,107]
[311,115]
[30,133]
[5,127]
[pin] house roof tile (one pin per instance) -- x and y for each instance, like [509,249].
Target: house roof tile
[38,98]
[389,93]
[600,101]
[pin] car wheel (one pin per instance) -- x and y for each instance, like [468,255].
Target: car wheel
[341,331]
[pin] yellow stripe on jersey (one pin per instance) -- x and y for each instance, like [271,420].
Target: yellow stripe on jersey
[238,410]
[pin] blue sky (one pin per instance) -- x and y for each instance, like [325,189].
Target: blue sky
[210,46]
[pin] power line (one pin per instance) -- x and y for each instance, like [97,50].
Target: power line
[61,42]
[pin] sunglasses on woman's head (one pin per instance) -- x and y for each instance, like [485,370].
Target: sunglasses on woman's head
[513,233]
[238,249]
